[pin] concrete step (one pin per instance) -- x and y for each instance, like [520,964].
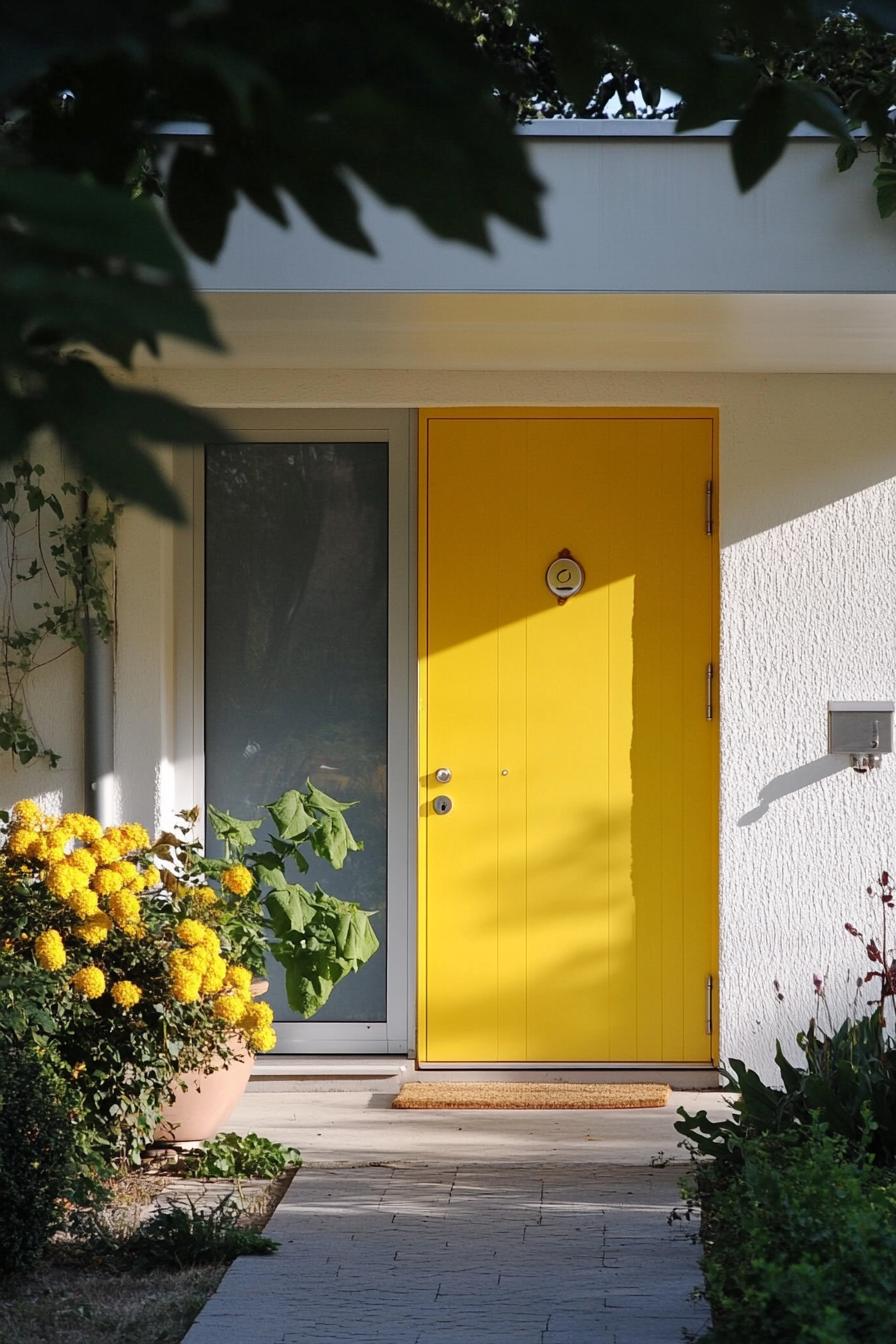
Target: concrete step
[387,1073]
[330,1073]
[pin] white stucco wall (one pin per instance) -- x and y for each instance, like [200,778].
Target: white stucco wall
[808,604]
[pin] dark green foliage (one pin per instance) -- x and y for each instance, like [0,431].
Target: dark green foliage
[36,1156]
[848,1081]
[304,101]
[181,1236]
[295,98]
[241,1155]
[799,1243]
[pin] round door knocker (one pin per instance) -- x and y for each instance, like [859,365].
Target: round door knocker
[564,577]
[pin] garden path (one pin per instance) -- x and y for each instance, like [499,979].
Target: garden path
[551,1228]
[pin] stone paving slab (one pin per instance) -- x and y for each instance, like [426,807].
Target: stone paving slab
[528,1255]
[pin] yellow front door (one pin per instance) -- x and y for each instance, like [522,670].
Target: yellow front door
[568,865]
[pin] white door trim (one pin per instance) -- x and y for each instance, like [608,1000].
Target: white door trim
[397,428]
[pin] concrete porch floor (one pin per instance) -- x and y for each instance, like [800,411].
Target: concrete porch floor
[355,1128]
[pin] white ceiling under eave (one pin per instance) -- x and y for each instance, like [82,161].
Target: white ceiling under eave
[687,333]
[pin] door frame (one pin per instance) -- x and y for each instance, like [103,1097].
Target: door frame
[397,428]
[425,414]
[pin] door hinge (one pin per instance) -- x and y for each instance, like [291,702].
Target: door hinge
[709,1005]
[709,510]
[710,674]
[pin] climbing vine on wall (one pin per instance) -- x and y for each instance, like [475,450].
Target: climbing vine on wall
[55,567]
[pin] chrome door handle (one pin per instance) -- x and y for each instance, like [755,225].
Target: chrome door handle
[443,775]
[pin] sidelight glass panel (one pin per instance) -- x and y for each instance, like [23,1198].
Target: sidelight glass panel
[296,677]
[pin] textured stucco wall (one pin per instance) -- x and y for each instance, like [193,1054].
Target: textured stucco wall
[808,531]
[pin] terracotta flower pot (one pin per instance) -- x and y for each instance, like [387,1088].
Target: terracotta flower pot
[206,1103]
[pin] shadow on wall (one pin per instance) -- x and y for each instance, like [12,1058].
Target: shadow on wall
[791,782]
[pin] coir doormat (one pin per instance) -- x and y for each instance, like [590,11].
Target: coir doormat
[530,1096]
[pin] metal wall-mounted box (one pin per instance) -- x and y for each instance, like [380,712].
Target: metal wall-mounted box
[860,727]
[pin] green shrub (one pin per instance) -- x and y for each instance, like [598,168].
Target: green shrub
[848,1079]
[242,1155]
[36,1157]
[799,1243]
[182,1235]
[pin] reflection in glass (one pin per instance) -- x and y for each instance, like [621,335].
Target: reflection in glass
[296,583]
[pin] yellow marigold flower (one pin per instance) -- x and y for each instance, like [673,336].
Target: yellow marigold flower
[93,930]
[190,960]
[106,881]
[83,861]
[78,879]
[192,932]
[37,850]
[104,851]
[126,839]
[46,850]
[82,827]
[134,835]
[48,950]
[60,880]
[27,813]
[185,985]
[126,870]
[126,994]
[228,1008]
[201,957]
[138,884]
[212,943]
[255,1016]
[213,976]
[20,842]
[124,907]
[152,876]
[89,981]
[237,879]
[204,896]
[265,1038]
[239,978]
[83,903]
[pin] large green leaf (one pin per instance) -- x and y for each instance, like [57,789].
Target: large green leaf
[719,94]
[356,939]
[290,815]
[331,839]
[323,802]
[759,138]
[200,197]
[112,312]
[885,186]
[106,428]
[309,983]
[231,829]
[291,909]
[88,219]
